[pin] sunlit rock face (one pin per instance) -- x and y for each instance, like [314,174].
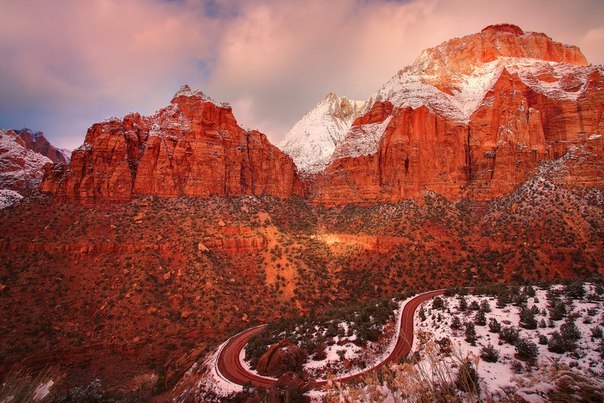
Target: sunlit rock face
[473,117]
[193,147]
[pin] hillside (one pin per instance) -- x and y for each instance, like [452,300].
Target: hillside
[502,344]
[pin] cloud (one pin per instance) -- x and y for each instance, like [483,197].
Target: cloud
[65,65]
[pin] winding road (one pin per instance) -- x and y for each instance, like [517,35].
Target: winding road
[229,367]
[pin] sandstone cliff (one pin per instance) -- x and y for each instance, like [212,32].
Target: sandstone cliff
[472,117]
[38,143]
[193,147]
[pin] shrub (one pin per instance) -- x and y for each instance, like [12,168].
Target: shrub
[557,311]
[527,349]
[474,306]
[527,319]
[485,306]
[456,323]
[556,344]
[542,339]
[570,331]
[596,332]
[471,333]
[509,334]
[438,303]
[503,300]
[575,290]
[462,304]
[480,319]
[494,326]
[489,353]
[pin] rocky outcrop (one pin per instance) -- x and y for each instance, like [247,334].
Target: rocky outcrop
[281,358]
[21,168]
[38,143]
[471,118]
[193,147]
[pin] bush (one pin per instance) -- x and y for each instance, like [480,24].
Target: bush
[471,333]
[509,334]
[527,319]
[564,340]
[527,349]
[489,353]
[575,290]
[462,304]
[569,331]
[438,303]
[542,339]
[480,319]
[474,306]
[485,306]
[596,332]
[456,323]
[494,326]
[557,311]
[557,344]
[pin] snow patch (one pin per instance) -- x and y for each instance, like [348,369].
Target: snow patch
[313,139]
[9,197]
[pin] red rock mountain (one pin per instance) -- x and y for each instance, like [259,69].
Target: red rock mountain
[193,147]
[471,117]
[38,143]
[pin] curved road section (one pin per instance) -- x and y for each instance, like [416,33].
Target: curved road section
[229,366]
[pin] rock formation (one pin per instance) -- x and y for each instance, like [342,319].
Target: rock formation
[281,358]
[21,168]
[472,117]
[38,143]
[193,147]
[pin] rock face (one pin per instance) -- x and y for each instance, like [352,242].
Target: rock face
[281,358]
[38,143]
[193,147]
[21,168]
[472,117]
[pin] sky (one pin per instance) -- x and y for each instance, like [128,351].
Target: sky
[67,64]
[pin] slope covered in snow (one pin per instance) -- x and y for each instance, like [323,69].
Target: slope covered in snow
[20,168]
[312,140]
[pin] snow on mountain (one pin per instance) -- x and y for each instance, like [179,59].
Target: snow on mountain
[452,80]
[20,168]
[312,140]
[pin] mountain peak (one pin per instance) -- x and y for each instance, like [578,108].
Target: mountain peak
[500,28]
[186,92]
[313,139]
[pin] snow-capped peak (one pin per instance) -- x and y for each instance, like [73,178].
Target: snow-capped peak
[313,139]
[186,91]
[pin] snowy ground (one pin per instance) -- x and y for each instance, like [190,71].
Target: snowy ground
[512,371]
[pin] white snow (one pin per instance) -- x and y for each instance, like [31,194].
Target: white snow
[499,375]
[42,390]
[313,139]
